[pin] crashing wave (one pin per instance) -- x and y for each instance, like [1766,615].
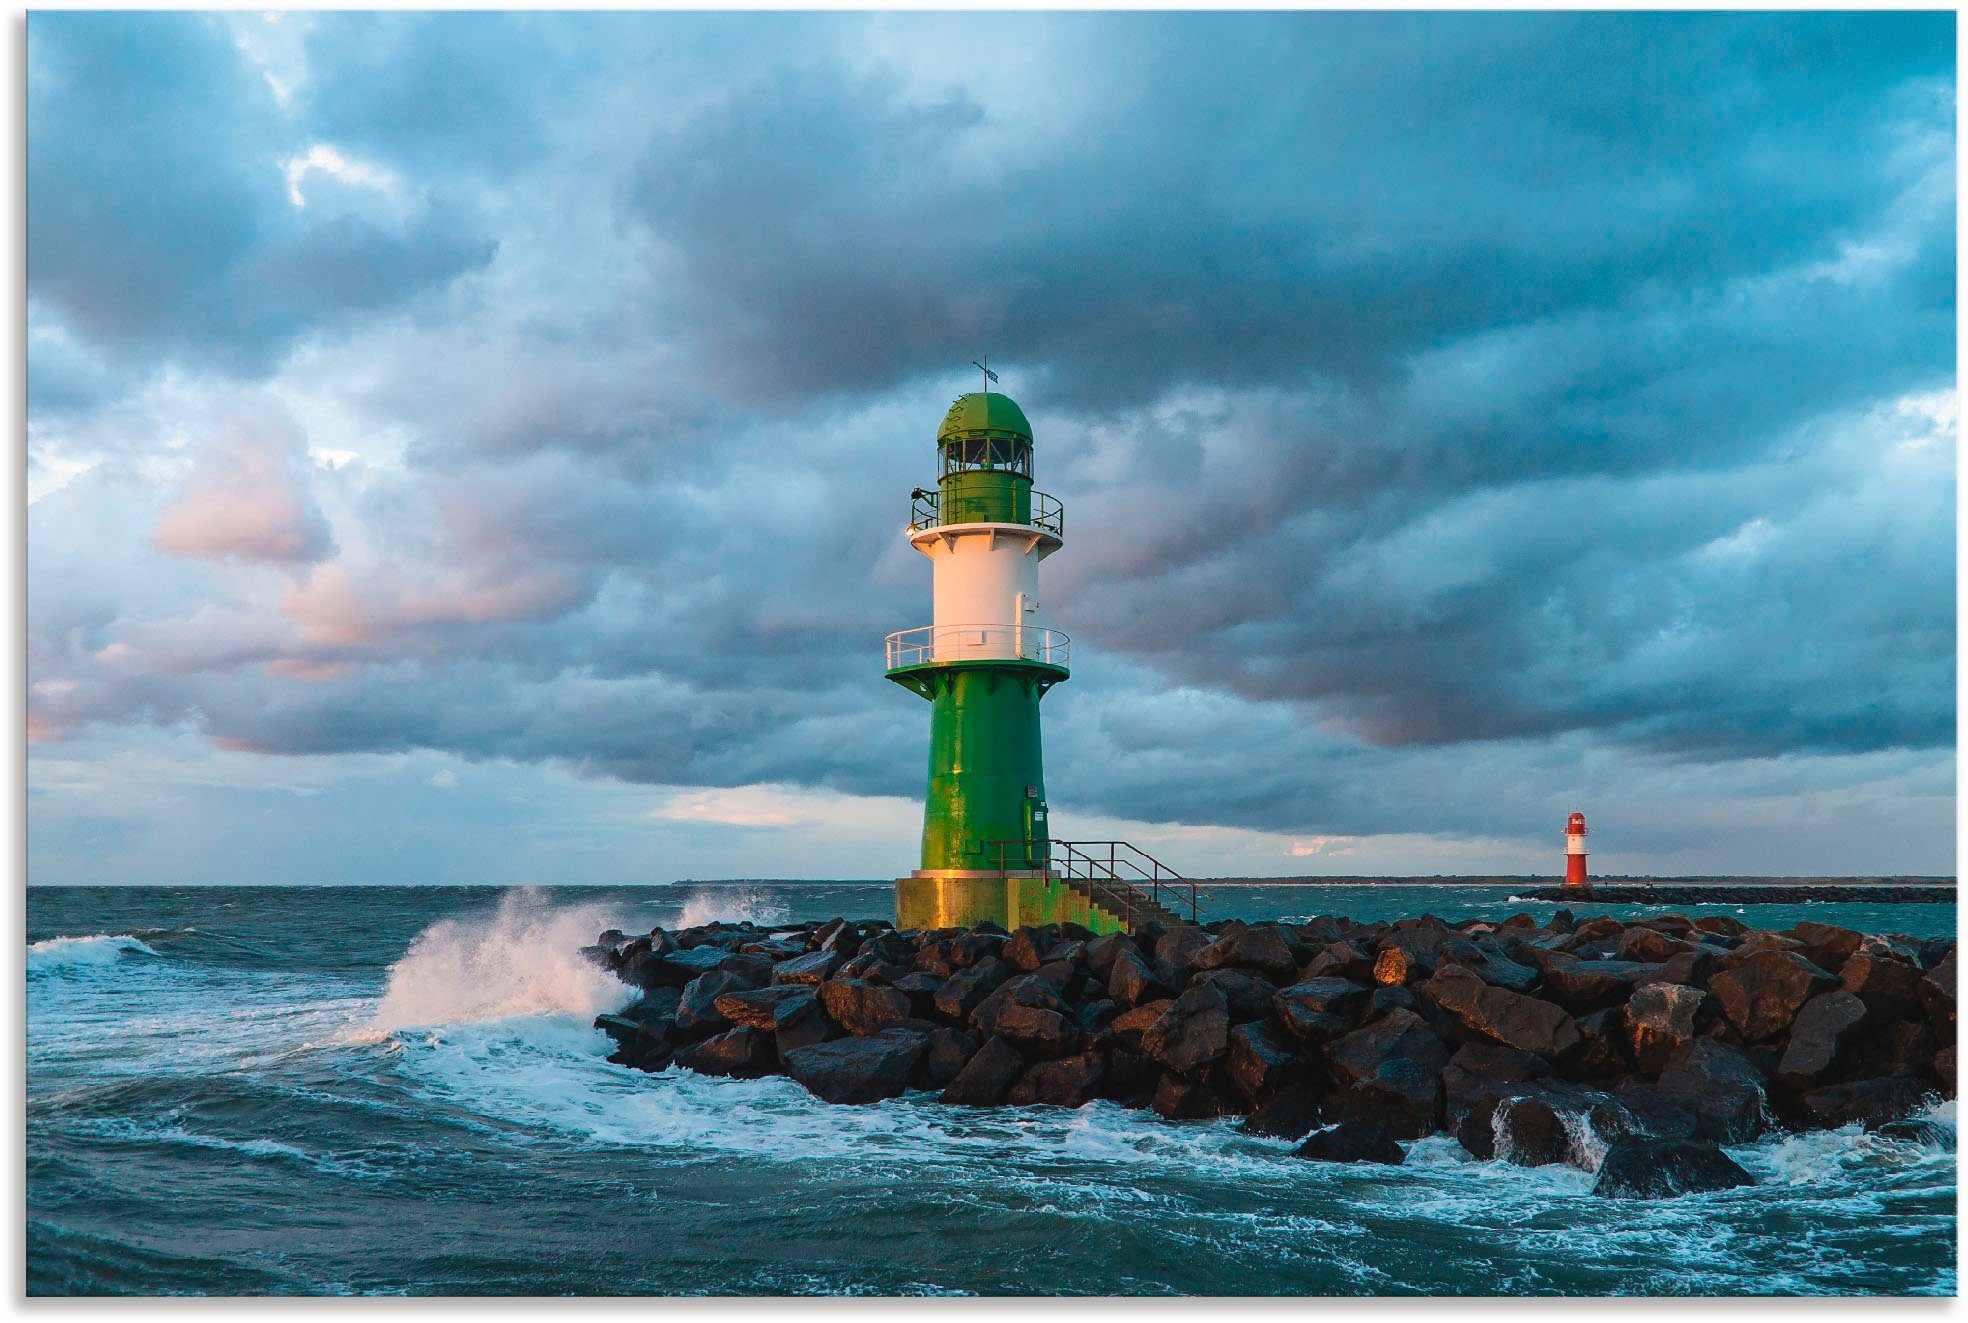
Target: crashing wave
[75,955]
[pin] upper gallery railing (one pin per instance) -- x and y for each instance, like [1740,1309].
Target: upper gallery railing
[941,643]
[928,509]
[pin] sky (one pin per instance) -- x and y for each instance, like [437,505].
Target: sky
[476,448]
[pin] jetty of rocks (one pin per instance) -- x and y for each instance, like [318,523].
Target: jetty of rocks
[1631,1048]
[1757,893]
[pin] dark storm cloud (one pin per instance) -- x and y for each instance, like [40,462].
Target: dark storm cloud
[159,225]
[1449,407]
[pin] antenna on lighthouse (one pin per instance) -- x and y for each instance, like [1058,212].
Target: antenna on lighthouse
[990,377]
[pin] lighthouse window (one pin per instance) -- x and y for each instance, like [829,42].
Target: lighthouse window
[988,453]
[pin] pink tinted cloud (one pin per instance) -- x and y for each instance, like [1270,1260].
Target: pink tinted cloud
[247,498]
[339,608]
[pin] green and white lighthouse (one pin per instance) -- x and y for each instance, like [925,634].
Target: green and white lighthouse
[984,664]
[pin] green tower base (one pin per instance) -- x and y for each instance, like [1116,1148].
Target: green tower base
[958,898]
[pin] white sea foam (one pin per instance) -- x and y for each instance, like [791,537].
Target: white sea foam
[729,905]
[523,959]
[82,955]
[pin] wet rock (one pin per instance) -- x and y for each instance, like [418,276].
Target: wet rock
[1352,1141]
[1646,946]
[1487,963]
[1095,1016]
[946,1052]
[1722,924]
[1937,996]
[1528,1024]
[1028,990]
[1821,1035]
[1586,985]
[1127,1028]
[811,969]
[1027,947]
[1184,1098]
[1293,1112]
[987,1076]
[1944,1069]
[1927,1134]
[1130,981]
[1248,995]
[1762,994]
[1175,951]
[1719,1086]
[1637,1168]
[1889,986]
[974,947]
[1888,1098]
[1660,1019]
[1102,951]
[741,1053]
[1067,1082]
[1397,1035]
[697,1015]
[767,1008]
[1825,945]
[863,1008]
[1340,960]
[1260,1058]
[1320,1009]
[1037,1032]
[1400,1096]
[857,1070]
[1193,1032]
[962,993]
[1130,1078]
[1260,949]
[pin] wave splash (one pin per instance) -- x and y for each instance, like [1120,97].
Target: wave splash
[82,955]
[523,959]
[730,905]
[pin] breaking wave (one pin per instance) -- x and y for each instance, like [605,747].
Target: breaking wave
[71,955]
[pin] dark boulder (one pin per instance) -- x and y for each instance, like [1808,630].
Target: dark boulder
[1352,1141]
[946,1051]
[1400,1096]
[1826,945]
[1320,1009]
[857,1070]
[1130,981]
[1762,994]
[1646,946]
[1176,950]
[1067,1082]
[1824,1032]
[1660,1019]
[1037,1032]
[1888,1098]
[1528,1024]
[1639,1168]
[1095,1016]
[1397,1035]
[1720,1086]
[1126,1029]
[1937,996]
[741,1053]
[1889,986]
[1248,995]
[1487,962]
[1029,990]
[1193,1032]
[1340,960]
[697,1015]
[1260,1058]
[974,946]
[1130,1078]
[1186,1098]
[1027,947]
[1587,985]
[768,1008]
[1927,1134]
[987,1076]
[1291,1113]
[962,993]
[1260,948]
[811,969]
[863,1008]
[1102,951]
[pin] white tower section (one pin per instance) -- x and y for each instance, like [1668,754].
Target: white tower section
[987,591]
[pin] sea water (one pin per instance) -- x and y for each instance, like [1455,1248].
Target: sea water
[397,1090]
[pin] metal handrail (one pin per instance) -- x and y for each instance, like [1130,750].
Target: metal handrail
[940,643]
[1099,864]
[926,511]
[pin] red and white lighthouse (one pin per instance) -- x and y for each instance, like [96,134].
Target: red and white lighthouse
[1575,852]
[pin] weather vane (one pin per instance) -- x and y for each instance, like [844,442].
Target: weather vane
[990,377]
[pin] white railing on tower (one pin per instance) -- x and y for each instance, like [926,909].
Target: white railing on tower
[943,643]
[928,510]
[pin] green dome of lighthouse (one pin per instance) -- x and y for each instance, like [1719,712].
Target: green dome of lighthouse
[981,414]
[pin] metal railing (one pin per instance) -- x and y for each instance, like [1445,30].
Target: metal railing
[943,643]
[927,509]
[1122,877]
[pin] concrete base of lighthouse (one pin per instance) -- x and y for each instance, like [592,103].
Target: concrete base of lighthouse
[962,898]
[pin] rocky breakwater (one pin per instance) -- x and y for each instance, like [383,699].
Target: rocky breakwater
[1632,1049]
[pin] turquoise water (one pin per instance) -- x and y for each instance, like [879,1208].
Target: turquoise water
[345,1090]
